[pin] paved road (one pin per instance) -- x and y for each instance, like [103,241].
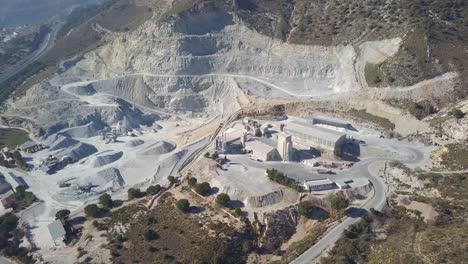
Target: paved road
[377,202]
[411,156]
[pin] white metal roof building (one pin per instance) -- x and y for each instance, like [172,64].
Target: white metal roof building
[57,232]
[314,136]
[13,181]
[319,185]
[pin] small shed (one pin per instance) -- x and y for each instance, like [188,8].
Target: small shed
[13,181]
[57,232]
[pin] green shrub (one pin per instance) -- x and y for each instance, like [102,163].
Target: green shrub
[279,177]
[151,235]
[457,113]
[305,208]
[238,212]
[192,182]
[62,214]
[134,193]
[105,200]
[153,189]
[183,205]
[223,199]
[339,203]
[91,210]
[171,179]
[203,188]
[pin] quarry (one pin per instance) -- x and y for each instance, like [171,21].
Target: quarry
[202,95]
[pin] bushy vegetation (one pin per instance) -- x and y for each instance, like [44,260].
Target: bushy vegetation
[183,205]
[203,188]
[134,193]
[171,179]
[339,203]
[105,201]
[279,177]
[22,199]
[10,239]
[355,244]
[151,235]
[153,189]
[92,210]
[456,158]
[223,199]
[19,161]
[457,113]
[192,182]
[305,208]
[180,238]
[78,16]
[12,137]
[62,214]
[15,81]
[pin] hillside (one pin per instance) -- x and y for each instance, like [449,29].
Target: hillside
[434,34]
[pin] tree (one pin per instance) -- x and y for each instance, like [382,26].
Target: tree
[171,179]
[192,182]
[105,200]
[203,188]
[223,199]
[134,193]
[457,113]
[153,189]
[246,246]
[151,235]
[183,205]
[338,151]
[91,210]
[305,208]
[237,212]
[339,203]
[62,214]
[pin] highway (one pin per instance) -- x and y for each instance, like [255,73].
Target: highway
[47,43]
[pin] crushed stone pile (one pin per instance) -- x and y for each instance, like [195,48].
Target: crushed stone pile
[105,158]
[134,143]
[77,152]
[89,130]
[159,148]
[58,141]
[105,180]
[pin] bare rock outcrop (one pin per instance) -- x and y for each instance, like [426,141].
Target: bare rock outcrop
[280,226]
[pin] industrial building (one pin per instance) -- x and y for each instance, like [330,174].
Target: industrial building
[319,185]
[14,181]
[57,232]
[314,136]
[261,150]
[332,123]
[285,146]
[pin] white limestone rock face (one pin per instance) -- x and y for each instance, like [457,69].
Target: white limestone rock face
[202,64]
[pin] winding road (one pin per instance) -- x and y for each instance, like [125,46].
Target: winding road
[363,168]
[46,44]
[378,201]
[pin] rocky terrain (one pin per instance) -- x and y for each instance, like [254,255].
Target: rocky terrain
[204,58]
[186,69]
